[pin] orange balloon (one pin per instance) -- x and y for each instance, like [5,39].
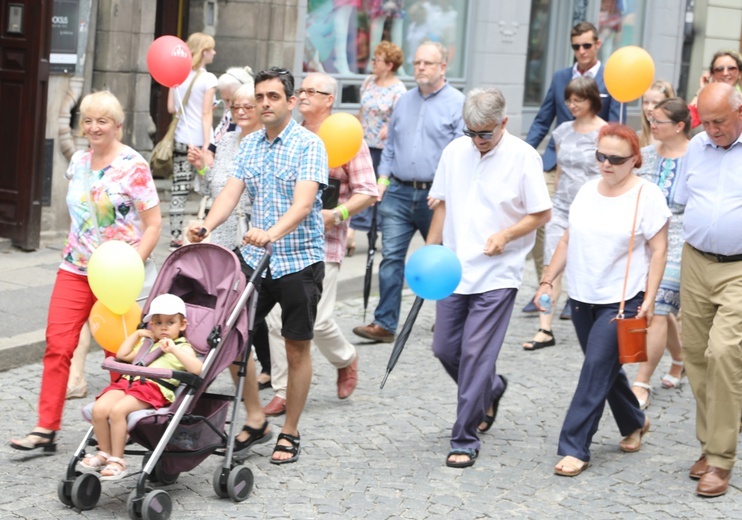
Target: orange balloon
[110,329]
[628,73]
[343,135]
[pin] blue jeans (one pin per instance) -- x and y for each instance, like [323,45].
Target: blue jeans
[403,211]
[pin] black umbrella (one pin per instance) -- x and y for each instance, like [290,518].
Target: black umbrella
[402,337]
[369,261]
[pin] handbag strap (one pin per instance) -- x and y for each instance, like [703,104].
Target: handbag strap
[187,94]
[628,259]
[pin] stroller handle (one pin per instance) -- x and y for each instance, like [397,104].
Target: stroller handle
[262,263]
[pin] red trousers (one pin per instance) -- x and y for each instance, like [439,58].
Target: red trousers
[69,308]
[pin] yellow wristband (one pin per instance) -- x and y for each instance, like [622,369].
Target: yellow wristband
[343,213]
[202,171]
[383,180]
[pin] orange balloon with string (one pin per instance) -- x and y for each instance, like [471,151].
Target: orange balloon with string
[110,329]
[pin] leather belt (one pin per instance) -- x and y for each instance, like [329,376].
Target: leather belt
[723,259]
[418,185]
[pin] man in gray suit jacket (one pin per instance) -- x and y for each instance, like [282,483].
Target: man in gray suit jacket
[585,44]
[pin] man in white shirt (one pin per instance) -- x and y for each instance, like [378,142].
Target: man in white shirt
[711,282]
[492,198]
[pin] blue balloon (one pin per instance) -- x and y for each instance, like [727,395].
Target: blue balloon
[433,272]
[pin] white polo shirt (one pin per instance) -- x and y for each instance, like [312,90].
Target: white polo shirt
[484,195]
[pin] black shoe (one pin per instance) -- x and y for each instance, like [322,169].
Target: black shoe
[490,419]
[254,436]
[566,311]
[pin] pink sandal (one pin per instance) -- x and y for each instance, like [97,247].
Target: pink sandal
[95,462]
[115,470]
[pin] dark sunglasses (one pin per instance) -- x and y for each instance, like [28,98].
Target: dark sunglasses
[586,46]
[722,68]
[615,160]
[482,135]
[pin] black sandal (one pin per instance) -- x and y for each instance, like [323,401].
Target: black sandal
[536,345]
[26,445]
[254,436]
[469,452]
[489,420]
[294,449]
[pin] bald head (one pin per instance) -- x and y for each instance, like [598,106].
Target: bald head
[720,110]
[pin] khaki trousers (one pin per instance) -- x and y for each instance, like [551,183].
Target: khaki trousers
[711,299]
[537,253]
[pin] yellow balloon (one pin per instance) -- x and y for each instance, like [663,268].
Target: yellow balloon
[342,134]
[116,275]
[110,329]
[628,73]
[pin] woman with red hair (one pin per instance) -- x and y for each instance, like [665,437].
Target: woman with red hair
[594,250]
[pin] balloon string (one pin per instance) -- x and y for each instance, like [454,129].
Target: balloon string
[123,323]
[620,113]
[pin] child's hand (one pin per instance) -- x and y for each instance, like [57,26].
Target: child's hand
[167,345]
[145,333]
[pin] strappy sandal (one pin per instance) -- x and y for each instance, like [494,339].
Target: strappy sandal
[26,444]
[536,345]
[114,470]
[95,462]
[669,381]
[643,403]
[489,420]
[294,449]
[469,452]
[570,466]
[254,436]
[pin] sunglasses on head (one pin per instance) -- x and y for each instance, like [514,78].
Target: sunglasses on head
[482,135]
[586,46]
[615,160]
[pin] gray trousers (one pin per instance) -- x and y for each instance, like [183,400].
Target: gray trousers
[469,332]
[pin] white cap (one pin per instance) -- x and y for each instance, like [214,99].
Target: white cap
[168,304]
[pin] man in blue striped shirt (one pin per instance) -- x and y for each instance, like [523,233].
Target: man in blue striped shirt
[424,121]
[284,169]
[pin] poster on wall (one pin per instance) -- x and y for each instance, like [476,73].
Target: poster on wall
[63,57]
[341,34]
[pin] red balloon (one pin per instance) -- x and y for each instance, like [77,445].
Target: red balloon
[169,61]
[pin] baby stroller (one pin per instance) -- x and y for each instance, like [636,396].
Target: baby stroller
[220,305]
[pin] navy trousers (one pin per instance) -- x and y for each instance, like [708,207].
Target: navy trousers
[601,379]
[469,332]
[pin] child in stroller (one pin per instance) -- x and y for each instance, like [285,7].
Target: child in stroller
[167,318]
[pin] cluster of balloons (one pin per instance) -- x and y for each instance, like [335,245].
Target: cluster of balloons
[342,134]
[433,272]
[169,61]
[628,73]
[116,277]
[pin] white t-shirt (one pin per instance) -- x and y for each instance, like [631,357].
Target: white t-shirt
[484,195]
[599,234]
[190,129]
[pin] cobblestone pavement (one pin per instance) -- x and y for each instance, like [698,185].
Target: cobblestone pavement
[380,454]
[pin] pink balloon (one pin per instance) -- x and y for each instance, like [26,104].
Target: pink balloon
[169,60]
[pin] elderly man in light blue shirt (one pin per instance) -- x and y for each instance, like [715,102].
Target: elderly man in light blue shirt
[424,121]
[711,283]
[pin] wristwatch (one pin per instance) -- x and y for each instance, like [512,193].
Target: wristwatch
[336,214]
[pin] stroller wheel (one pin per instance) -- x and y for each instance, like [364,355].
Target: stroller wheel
[64,492]
[86,491]
[157,505]
[239,483]
[134,503]
[220,482]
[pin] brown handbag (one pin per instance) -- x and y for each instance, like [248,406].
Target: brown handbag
[632,332]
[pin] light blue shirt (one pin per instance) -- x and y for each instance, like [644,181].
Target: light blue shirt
[710,185]
[270,171]
[420,128]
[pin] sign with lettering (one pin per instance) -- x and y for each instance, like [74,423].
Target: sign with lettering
[63,57]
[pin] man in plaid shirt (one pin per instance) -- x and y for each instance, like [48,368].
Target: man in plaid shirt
[356,191]
[284,169]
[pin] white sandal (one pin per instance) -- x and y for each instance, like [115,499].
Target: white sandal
[114,470]
[644,403]
[95,462]
[669,381]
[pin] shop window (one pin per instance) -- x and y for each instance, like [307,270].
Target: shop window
[619,24]
[536,60]
[342,34]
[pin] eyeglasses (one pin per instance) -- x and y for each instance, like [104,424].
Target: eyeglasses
[653,121]
[381,60]
[280,71]
[423,63]
[244,108]
[586,46]
[482,135]
[310,92]
[615,160]
[574,101]
[722,68]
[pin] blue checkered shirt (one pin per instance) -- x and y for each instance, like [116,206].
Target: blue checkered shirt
[270,171]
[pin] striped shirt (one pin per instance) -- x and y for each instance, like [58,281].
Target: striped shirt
[270,171]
